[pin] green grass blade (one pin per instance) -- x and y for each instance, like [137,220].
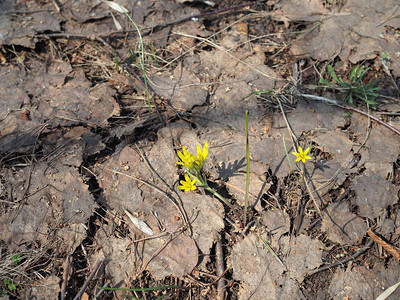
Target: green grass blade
[287,153]
[350,98]
[331,71]
[354,73]
[325,82]
[271,250]
[116,60]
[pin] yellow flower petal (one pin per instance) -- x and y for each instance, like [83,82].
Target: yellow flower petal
[187,184]
[302,155]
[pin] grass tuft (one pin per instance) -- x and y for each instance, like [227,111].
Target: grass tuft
[353,87]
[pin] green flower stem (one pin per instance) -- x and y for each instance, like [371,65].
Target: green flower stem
[216,194]
[207,188]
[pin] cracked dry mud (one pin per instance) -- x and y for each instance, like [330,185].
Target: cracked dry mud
[79,150]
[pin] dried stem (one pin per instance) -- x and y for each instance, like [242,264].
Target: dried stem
[85,285]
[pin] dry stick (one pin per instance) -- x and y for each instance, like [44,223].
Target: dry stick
[149,28]
[341,262]
[220,269]
[388,247]
[85,285]
[101,291]
[337,103]
[67,269]
[56,5]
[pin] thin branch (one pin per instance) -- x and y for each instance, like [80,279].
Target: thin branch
[347,259]
[85,285]
[345,106]
[220,269]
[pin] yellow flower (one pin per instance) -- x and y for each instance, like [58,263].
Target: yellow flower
[187,158]
[201,155]
[187,184]
[302,156]
[192,162]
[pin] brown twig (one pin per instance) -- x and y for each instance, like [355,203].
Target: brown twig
[149,29]
[389,248]
[66,273]
[345,106]
[220,269]
[85,285]
[341,262]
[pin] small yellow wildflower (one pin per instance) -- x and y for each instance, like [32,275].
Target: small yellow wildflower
[201,155]
[187,158]
[302,156]
[192,162]
[187,184]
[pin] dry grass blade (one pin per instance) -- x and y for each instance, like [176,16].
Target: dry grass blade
[140,224]
[218,47]
[388,291]
[19,265]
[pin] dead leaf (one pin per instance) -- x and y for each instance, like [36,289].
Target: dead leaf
[365,283]
[122,264]
[67,106]
[56,196]
[341,225]
[47,288]
[174,255]
[299,10]
[313,116]
[352,31]
[183,91]
[261,274]
[277,222]
[120,191]
[373,194]
[25,26]
[140,224]
[301,255]
[207,215]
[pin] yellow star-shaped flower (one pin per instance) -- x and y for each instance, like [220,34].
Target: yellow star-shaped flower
[187,184]
[187,158]
[302,156]
[192,162]
[201,155]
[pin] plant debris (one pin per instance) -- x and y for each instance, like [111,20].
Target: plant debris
[89,174]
